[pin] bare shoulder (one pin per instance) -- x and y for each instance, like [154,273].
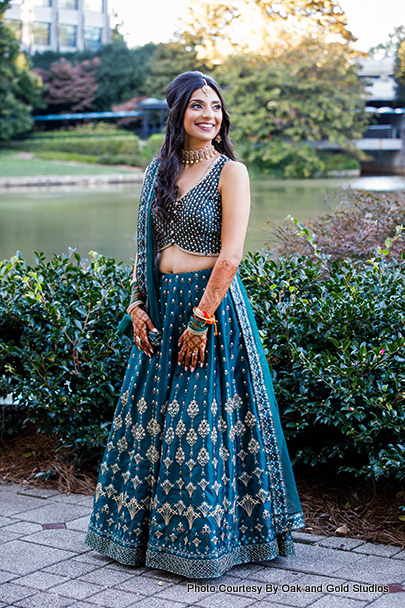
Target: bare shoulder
[234,170]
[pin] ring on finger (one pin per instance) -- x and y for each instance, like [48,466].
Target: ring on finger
[138,340]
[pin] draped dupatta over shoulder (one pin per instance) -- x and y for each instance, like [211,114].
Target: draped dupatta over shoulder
[146,270]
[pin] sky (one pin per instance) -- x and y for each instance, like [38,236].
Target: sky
[155,20]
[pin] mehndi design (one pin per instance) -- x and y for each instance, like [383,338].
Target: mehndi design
[221,278]
[141,323]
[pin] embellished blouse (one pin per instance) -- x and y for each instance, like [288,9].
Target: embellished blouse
[196,221]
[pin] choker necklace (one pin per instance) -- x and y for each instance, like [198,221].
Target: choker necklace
[189,157]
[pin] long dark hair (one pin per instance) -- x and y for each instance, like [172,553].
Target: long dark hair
[178,95]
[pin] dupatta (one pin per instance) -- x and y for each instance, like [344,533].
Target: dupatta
[147,274]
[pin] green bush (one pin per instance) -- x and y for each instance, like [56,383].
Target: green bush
[129,146]
[60,354]
[152,146]
[85,129]
[280,159]
[94,128]
[291,160]
[88,145]
[133,160]
[338,162]
[95,144]
[334,332]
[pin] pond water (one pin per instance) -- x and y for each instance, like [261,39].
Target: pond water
[104,219]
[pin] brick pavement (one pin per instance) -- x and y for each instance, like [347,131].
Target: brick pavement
[46,566]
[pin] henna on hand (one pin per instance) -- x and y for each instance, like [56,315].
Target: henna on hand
[141,322]
[192,345]
[218,284]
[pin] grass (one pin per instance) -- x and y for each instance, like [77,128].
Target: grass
[10,166]
[69,156]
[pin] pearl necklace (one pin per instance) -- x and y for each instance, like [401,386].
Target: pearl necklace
[189,157]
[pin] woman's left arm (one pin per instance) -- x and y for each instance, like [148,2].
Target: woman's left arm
[235,193]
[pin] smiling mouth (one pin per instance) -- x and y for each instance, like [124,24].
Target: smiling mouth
[205,125]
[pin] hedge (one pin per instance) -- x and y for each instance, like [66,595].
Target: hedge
[90,145]
[60,355]
[333,330]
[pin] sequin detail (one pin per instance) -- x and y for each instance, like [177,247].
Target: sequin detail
[197,216]
[189,483]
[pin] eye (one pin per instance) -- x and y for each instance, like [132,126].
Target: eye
[195,106]
[217,106]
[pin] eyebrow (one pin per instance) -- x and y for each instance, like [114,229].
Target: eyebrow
[202,101]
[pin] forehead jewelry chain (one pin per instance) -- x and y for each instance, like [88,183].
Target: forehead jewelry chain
[206,89]
[189,157]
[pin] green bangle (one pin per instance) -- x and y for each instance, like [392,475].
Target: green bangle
[197,325]
[135,293]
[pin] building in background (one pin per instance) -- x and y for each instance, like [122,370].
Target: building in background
[379,73]
[59,25]
[384,140]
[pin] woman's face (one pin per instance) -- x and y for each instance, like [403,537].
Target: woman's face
[202,119]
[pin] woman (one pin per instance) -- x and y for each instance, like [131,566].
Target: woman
[196,476]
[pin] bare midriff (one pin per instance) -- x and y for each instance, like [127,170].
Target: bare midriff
[174,260]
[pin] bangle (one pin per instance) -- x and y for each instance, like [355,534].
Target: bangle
[204,316]
[196,328]
[136,295]
[134,305]
[195,332]
[197,325]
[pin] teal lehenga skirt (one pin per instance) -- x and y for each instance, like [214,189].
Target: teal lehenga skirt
[196,476]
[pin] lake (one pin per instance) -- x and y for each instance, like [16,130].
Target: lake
[103,219]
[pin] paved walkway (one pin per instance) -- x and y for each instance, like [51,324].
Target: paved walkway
[44,563]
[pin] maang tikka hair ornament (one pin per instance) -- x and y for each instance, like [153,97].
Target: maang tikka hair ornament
[206,89]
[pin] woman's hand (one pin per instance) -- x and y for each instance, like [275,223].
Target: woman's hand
[192,345]
[141,322]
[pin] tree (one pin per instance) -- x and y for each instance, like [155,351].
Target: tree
[389,48]
[324,17]
[169,60]
[218,28]
[400,71]
[208,27]
[71,88]
[121,73]
[20,88]
[43,61]
[281,103]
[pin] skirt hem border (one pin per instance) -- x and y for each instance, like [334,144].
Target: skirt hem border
[214,567]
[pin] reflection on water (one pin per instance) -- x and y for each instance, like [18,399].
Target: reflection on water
[104,219]
[379,182]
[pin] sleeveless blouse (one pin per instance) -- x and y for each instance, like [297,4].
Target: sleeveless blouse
[196,221]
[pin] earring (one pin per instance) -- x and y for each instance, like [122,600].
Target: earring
[218,138]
